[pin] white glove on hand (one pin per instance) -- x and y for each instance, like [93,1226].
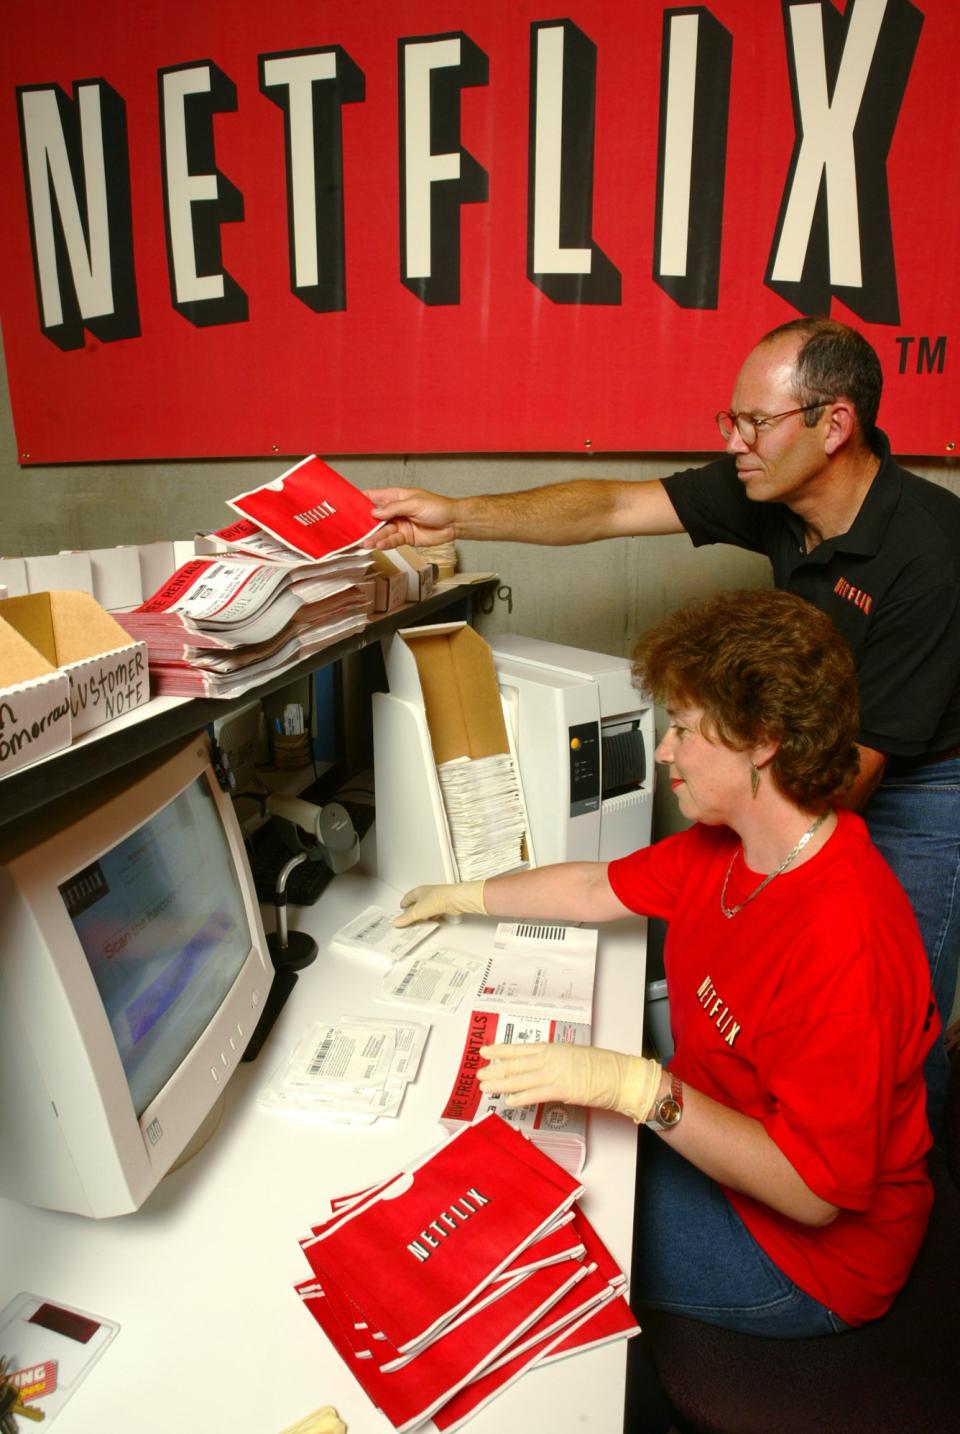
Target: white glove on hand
[575,1075]
[424,903]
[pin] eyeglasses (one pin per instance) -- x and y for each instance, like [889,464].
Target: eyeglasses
[749,425]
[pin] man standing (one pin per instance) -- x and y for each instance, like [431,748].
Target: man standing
[808,480]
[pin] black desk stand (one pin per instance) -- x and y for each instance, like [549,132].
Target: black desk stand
[289,951]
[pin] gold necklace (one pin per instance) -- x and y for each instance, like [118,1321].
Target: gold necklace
[731,911]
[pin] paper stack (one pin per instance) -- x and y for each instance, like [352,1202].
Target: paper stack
[538,986]
[373,933]
[420,975]
[485,814]
[350,1073]
[278,585]
[441,1286]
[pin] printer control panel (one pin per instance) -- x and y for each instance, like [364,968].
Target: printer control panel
[584,747]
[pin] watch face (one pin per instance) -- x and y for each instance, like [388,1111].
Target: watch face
[669,1111]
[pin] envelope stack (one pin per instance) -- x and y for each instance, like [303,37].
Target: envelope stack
[285,579]
[442,1286]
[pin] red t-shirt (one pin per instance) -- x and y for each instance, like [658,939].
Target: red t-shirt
[811,1010]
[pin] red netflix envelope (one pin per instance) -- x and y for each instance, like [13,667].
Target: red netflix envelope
[612,1320]
[607,1320]
[551,1249]
[410,1395]
[441,1232]
[311,508]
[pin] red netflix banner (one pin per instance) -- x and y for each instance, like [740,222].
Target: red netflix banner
[463,225]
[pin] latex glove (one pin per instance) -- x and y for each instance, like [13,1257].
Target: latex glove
[321,1421]
[574,1075]
[424,903]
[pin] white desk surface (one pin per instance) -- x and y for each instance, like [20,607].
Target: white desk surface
[212,1336]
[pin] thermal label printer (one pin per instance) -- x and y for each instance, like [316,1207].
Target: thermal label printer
[585,741]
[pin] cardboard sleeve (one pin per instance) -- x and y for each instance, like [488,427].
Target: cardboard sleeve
[460,694]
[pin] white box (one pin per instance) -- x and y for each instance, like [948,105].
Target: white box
[34,720]
[107,686]
[13,575]
[159,561]
[60,572]
[116,577]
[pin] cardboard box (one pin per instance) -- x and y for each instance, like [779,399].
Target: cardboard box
[13,576]
[158,561]
[117,584]
[368,591]
[443,702]
[390,591]
[419,572]
[457,681]
[34,702]
[63,572]
[105,673]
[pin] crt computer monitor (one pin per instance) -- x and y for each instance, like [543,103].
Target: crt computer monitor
[133,969]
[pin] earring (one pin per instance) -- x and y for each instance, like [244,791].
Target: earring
[754,779]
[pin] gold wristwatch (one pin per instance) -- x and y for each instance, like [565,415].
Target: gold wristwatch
[668,1110]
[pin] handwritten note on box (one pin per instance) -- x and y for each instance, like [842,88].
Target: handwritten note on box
[34,720]
[106,686]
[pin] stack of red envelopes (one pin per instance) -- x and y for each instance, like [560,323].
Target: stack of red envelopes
[277,585]
[441,1286]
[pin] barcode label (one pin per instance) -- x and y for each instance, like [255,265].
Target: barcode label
[542,933]
[322,1051]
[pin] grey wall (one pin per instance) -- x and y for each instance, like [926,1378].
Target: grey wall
[598,596]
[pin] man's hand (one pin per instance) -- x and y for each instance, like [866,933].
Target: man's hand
[574,1075]
[412,516]
[425,903]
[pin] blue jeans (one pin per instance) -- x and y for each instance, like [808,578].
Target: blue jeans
[914,818]
[693,1255]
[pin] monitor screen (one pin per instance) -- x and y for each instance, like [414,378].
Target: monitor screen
[133,971]
[161,921]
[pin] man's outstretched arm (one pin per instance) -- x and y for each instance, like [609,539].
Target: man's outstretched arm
[581,511]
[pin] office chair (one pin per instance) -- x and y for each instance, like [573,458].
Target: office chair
[897,1375]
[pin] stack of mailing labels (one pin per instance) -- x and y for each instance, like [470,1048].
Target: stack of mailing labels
[350,1072]
[441,1286]
[485,813]
[269,590]
[537,986]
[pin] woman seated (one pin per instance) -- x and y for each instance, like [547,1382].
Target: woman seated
[787,1192]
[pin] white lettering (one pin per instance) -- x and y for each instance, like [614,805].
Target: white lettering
[678,144]
[548,256]
[185,189]
[88,251]
[298,73]
[421,168]
[827,148]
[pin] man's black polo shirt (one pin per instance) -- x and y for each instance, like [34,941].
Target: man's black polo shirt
[891,584]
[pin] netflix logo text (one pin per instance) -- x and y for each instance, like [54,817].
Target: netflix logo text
[447,1223]
[310,208]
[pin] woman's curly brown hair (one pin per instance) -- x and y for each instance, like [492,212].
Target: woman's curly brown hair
[763,666]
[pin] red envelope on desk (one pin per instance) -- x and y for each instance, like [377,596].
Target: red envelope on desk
[311,508]
[442,1232]
[609,1319]
[613,1320]
[412,1394]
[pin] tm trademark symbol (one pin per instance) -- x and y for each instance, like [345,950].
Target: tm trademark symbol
[930,356]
